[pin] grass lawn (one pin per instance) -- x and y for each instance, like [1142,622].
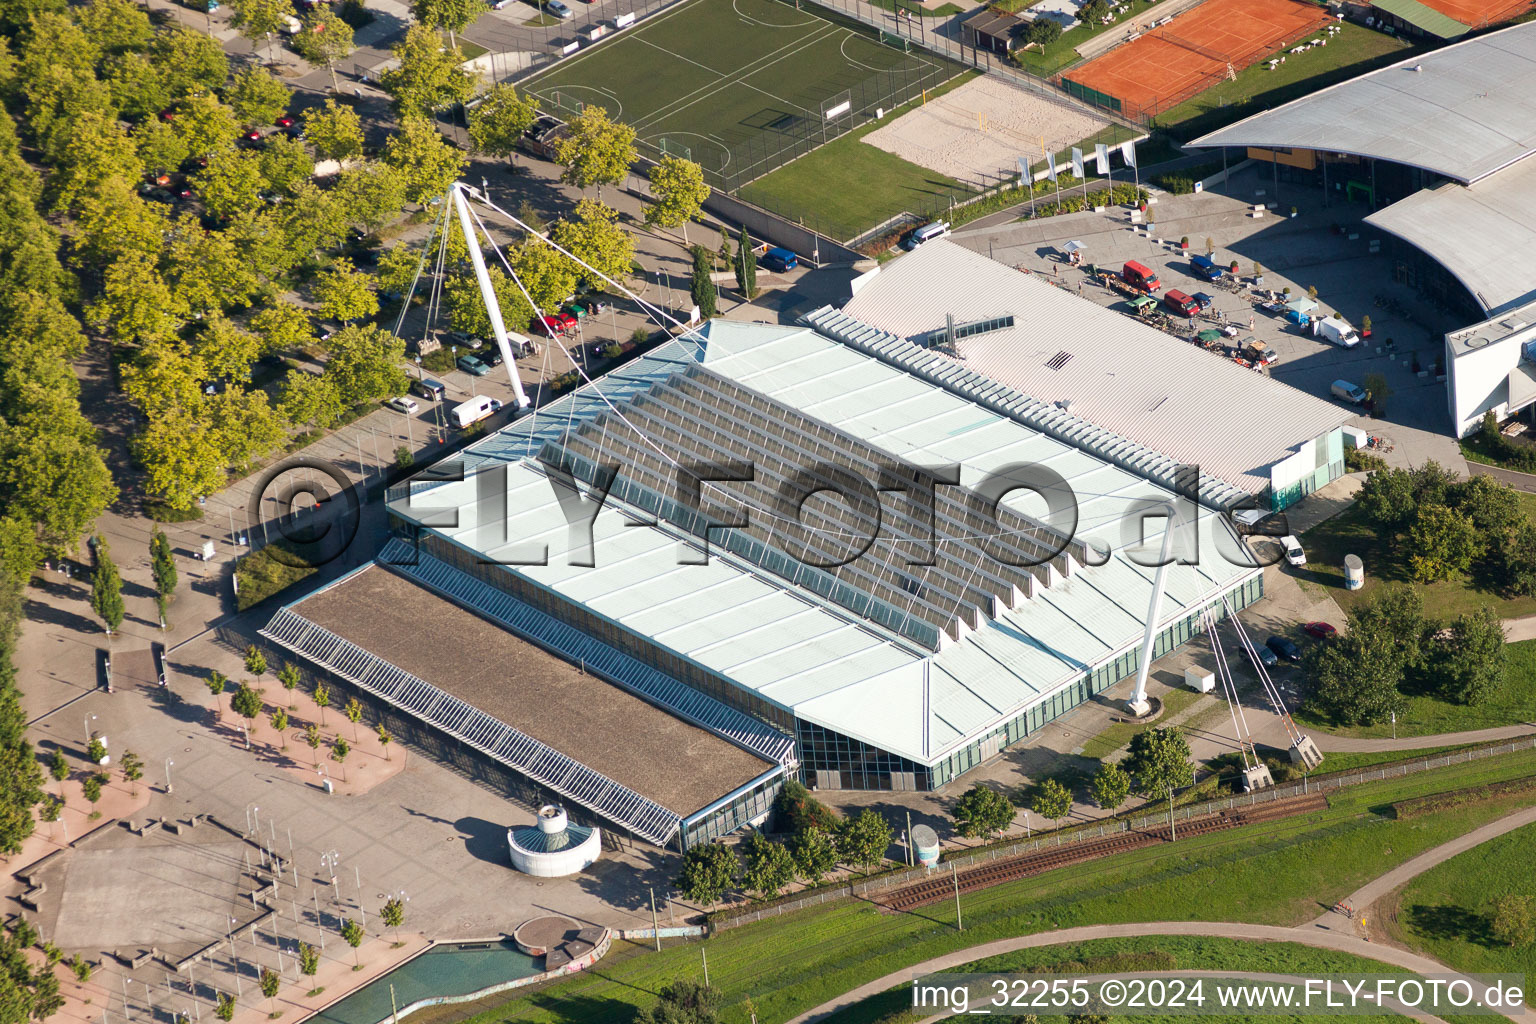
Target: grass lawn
[1446,912]
[1350,533]
[1133,953]
[1280,873]
[849,186]
[1428,715]
[261,575]
[1346,762]
[1352,52]
[1119,734]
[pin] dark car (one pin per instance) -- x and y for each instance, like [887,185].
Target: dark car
[1285,647]
[491,356]
[473,366]
[428,388]
[296,132]
[1319,630]
[1206,300]
[1266,657]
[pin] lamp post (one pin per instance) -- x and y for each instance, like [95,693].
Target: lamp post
[168,763]
[88,720]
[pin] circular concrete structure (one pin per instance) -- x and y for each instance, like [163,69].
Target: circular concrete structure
[553,847]
[925,843]
[539,935]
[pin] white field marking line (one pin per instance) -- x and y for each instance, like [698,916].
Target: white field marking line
[771,24]
[843,49]
[726,149]
[726,83]
[688,99]
[617,111]
[636,34]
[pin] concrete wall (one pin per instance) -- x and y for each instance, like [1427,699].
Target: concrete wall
[1316,463]
[1478,381]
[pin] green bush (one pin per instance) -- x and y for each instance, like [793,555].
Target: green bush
[1182,182]
[262,573]
[795,810]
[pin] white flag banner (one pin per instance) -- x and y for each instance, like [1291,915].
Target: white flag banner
[1077,163]
[1026,172]
[1101,157]
[1050,162]
[1128,152]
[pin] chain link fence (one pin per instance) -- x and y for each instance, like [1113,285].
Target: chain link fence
[964,859]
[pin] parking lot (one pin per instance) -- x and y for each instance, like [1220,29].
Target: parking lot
[1295,252]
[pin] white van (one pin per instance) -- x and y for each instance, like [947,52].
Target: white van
[1292,548]
[1354,394]
[473,411]
[926,233]
[1336,330]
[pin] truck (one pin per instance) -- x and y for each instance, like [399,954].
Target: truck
[473,411]
[1336,330]
[1139,276]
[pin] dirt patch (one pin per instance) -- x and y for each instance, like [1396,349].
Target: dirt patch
[977,133]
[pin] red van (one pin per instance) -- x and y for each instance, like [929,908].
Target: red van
[1139,276]
[1180,303]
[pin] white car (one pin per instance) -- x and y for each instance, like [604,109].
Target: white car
[404,404]
[1293,553]
[559,10]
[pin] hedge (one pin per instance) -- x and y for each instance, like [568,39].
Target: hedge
[1421,805]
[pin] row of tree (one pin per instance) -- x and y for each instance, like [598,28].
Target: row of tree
[53,475]
[1157,762]
[1391,648]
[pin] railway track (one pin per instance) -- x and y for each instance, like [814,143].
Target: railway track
[997,872]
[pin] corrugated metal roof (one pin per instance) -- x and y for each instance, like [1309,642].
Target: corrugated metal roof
[1483,233]
[794,649]
[1133,380]
[1423,17]
[1463,111]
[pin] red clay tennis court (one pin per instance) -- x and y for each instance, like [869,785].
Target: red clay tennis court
[1475,14]
[1168,65]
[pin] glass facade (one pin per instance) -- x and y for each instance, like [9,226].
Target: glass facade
[829,759]
[737,810]
[834,761]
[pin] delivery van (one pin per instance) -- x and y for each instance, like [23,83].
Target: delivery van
[1354,394]
[1138,275]
[1336,330]
[1180,303]
[473,411]
[926,233]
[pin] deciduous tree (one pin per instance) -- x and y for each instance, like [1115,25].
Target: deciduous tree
[452,15]
[334,130]
[549,277]
[708,871]
[815,853]
[982,812]
[1470,659]
[371,195]
[864,839]
[1513,922]
[768,866]
[1158,761]
[429,76]
[1443,544]
[466,306]
[366,364]
[679,188]
[344,293]
[1110,786]
[500,119]
[256,95]
[683,1002]
[311,400]
[205,125]
[597,151]
[323,40]
[595,237]
[231,183]
[259,19]
[191,61]
[745,265]
[1051,800]
[425,158]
